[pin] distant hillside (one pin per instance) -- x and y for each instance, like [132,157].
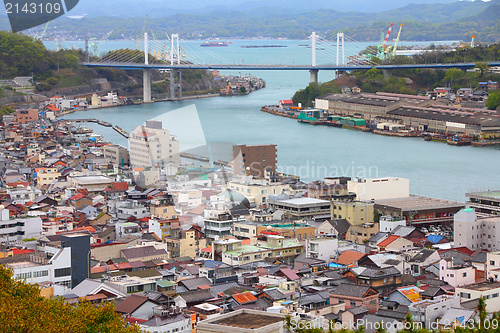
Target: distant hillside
[441,21]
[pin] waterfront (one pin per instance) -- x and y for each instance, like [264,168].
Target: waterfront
[434,168]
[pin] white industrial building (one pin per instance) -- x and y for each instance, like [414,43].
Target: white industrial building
[379,188]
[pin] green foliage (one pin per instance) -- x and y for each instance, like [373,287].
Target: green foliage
[243,90]
[493,101]
[22,309]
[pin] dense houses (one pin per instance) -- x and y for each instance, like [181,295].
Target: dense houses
[180,245]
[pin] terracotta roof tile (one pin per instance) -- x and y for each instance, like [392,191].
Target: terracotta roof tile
[244,298]
[349,257]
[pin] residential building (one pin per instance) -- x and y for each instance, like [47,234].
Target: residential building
[389,223]
[26,116]
[220,226]
[353,295]
[184,243]
[302,208]
[163,207]
[153,146]
[21,195]
[493,266]
[67,265]
[356,212]
[456,274]
[255,160]
[360,234]
[116,154]
[324,248]
[490,291]
[380,188]
[218,272]
[382,280]
[94,184]
[234,252]
[327,188]
[257,191]
[46,176]
[428,312]
[14,230]
[476,232]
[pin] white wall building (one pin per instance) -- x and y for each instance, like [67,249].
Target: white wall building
[16,229]
[151,145]
[476,233]
[456,275]
[379,188]
[322,248]
[389,223]
[22,195]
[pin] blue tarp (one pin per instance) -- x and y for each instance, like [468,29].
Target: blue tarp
[434,238]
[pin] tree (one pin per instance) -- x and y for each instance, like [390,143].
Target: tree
[22,309]
[243,90]
[482,66]
[493,101]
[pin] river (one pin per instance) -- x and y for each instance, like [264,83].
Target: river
[434,169]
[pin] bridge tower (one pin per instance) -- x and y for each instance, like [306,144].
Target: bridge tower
[146,74]
[175,74]
[314,72]
[340,38]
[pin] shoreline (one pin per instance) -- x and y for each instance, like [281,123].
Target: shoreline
[423,135]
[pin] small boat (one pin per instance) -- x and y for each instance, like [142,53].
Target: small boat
[214,44]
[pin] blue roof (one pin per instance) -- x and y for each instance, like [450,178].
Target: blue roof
[334,265]
[461,319]
[212,263]
[434,238]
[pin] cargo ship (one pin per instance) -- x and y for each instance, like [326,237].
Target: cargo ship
[214,44]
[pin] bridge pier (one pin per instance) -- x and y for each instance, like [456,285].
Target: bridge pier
[146,85]
[175,87]
[314,75]
[387,72]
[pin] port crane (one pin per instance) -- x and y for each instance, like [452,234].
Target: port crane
[397,41]
[94,43]
[43,32]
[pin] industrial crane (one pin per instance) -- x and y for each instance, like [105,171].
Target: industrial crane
[384,50]
[397,41]
[94,43]
[43,32]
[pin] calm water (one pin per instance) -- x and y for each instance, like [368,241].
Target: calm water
[434,169]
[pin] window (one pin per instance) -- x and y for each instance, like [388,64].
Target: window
[353,303]
[40,274]
[62,272]
[492,262]
[465,274]
[23,276]
[495,295]
[341,301]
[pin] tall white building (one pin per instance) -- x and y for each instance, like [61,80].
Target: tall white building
[153,146]
[476,233]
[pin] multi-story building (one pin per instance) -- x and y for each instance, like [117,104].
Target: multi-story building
[419,210]
[16,229]
[429,311]
[383,280]
[257,191]
[489,291]
[323,248]
[356,212]
[153,146]
[380,188]
[456,274]
[21,195]
[476,233]
[328,188]
[360,234]
[492,266]
[233,252]
[26,116]
[184,243]
[116,154]
[46,176]
[67,265]
[254,160]
[220,226]
[163,207]
[302,208]
[484,203]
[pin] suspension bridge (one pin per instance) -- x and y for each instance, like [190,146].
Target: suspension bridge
[167,56]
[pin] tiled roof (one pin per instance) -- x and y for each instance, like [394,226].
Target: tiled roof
[244,298]
[388,241]
[131,304]
[352,290]
[289,274]
[349,257]
[143,251]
